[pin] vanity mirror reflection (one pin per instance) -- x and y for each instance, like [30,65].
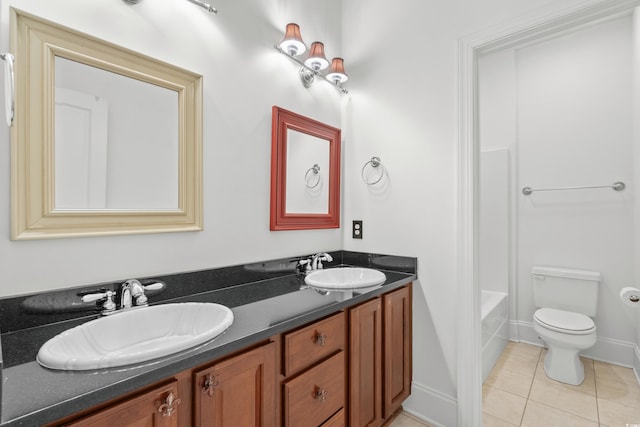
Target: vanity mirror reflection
[105,141]
[305,173]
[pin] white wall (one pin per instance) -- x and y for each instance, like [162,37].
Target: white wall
[243,78]
[573,126]
[636,171]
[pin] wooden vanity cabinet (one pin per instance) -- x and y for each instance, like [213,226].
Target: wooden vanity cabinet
[351,368]
[239,391]
[397,351]
[158,407]
[313,381]
[365,364]
[379,357]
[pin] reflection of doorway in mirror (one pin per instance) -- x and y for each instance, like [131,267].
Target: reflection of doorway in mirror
[307,191]
[141,158]
[81,150]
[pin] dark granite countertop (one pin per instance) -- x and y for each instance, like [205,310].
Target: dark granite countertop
[33,395]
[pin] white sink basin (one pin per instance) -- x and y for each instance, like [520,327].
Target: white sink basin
[345,278]
[135,336]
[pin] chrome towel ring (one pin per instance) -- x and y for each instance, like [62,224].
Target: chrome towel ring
[375,164]
[9,86]
[316,172]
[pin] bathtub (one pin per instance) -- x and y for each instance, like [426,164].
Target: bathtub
[495,332]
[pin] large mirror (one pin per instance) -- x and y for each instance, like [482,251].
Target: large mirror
[305,173]
[105,140]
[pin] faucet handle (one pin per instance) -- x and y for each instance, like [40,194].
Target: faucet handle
[138,290]
[303,265]
[322,257]
[154,286]
[108,306]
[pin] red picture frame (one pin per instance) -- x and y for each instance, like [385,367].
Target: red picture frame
[282,121]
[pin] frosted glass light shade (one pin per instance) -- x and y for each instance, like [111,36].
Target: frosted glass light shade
[316,60]
[336,72]
[292,42]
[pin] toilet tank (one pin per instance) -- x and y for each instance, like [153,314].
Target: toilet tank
[566,289]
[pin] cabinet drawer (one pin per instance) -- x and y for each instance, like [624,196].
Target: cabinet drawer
[336,421]
[313,397]
[307,345]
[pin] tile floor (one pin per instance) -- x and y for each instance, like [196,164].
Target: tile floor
[407,420]
[518,393]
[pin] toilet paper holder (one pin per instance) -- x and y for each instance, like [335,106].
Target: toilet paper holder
[630,296]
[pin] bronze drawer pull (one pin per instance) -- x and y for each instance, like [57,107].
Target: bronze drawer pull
[210,383]
[320,394]
[169,406]
[321,339]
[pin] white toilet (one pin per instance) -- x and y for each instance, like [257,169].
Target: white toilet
[567,299]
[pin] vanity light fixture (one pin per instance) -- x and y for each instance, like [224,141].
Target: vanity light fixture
[292,42]
[292,46]
[205,6]
[336,72]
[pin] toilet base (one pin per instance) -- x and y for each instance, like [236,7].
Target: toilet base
[566,367]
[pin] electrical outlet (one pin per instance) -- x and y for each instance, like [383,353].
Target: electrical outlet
[357,229]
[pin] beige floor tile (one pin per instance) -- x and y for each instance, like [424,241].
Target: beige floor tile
[616,415]
[607,371]
[525,351]
[519,357]
[617,384]
[588,386]
[503,405]
[557,395]
[491,421]
[539,415]
[511,381]
[406,420]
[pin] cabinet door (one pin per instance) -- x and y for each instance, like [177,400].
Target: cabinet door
[155,408]
[397,349]
[239,391]
[365,364]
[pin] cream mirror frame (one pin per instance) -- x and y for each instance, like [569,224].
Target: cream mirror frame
[36,43]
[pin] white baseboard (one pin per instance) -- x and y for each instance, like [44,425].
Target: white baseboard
[607,350]
[514,333]
[432,406]
[636,363]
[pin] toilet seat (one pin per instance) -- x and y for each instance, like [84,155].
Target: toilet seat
[564,321]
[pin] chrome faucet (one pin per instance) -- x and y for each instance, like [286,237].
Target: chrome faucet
[316,260]
[130,293]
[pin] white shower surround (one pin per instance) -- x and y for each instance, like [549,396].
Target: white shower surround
[495,328]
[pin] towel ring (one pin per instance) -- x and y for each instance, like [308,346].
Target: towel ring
[316,171]
[9,87]
[375,163]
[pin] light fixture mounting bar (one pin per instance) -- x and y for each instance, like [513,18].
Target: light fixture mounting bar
[309,70]
[205,6]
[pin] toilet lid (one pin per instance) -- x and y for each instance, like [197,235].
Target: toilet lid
[564,321]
